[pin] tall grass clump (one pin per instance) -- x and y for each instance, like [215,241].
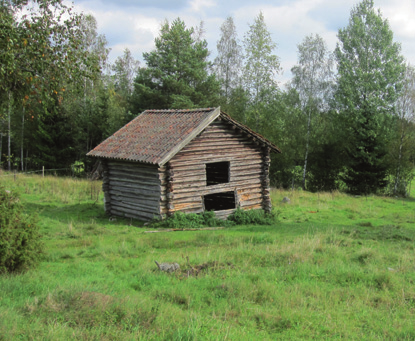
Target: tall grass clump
[180,220]
[252,217]
[20,244]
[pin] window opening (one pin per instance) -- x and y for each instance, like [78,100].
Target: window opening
[217,173]
[219,201]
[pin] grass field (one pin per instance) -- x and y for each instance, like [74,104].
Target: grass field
[332,266]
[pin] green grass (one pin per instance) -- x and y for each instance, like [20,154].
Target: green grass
[332,267]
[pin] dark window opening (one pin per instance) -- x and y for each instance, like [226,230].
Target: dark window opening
[219,201]
[217,173]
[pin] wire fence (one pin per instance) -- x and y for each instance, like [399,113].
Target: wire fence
[43,172]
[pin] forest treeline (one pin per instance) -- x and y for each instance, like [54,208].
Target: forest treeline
[344,121]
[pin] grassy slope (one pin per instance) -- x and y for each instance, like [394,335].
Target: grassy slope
[334,266]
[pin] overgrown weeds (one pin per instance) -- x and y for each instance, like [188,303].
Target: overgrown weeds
[180,220]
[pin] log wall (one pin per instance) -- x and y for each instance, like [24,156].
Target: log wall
[220,141]
[132,189]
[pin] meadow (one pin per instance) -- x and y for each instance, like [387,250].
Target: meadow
[333,266]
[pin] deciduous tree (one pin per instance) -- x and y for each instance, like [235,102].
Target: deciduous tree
[228,62]
[370,69]
[313,80]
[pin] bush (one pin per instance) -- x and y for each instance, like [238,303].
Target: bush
[180,220]
[255,217]
[20,245]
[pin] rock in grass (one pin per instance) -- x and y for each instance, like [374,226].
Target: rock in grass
[168,267]
[286,200]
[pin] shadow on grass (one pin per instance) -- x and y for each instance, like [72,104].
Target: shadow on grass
[81,212]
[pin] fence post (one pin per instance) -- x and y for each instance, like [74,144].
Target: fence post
[43,171]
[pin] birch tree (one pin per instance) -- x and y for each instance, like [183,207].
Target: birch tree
[403,148]
[228,62]
[261,66]
[313,80]
[370,71]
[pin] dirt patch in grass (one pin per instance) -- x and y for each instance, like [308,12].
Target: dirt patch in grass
[196,270]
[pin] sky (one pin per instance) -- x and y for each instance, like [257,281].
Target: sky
[134,24]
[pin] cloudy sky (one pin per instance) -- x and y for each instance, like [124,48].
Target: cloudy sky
[134,24]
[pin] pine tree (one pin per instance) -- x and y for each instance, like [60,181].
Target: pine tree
[177,73]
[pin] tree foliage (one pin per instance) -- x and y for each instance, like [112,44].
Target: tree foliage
[261,64]
[177,72]
[313,80]
[228,62]
[20,244]
[370,70]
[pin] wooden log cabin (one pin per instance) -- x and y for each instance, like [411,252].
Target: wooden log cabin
[165,161]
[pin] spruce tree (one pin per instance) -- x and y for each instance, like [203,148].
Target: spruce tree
[370,69]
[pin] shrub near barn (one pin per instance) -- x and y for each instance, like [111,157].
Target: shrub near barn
[20,245]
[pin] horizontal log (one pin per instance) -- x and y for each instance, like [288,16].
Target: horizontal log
[134,185]
[186,206]
[134,171]
[134,208]
[134,178]
[207,148]
[131,192]
[208,142]
[192,210]
[133,214]
[213,155]
[188,200]
[185,162]
[217,188]
[131,164]
[224,213]
[136,198]
[247,205]
[199,191]
[149,206]
[250,197]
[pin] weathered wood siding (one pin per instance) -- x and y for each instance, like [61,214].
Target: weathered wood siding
[132,189]
[220,141]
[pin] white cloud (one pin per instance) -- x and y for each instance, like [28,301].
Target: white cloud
[199,5]
[289,21]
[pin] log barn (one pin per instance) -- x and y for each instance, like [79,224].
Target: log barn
[165,161]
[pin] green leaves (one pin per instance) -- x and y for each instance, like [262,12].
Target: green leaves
[370,71]
[177,72]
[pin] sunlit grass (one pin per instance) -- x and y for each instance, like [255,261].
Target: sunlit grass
[333,266]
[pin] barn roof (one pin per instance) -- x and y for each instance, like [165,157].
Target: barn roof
[156,136]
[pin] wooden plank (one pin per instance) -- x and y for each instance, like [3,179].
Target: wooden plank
[128,172]
[135,185]
[186,206]
[220,149]
[133,214]
[134,210]
[217,143]
[224,213]
[154,200]
[135,178]
[118,190]
[152,206]
[199,191]
[243,158]
[132,164]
